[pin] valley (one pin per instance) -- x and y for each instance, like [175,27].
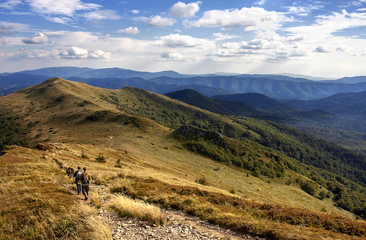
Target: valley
[244,174]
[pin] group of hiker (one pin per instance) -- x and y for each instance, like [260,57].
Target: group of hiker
[82,180]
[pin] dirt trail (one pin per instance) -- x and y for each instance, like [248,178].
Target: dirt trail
[179,226]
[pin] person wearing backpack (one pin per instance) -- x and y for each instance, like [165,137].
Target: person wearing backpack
[85,180]
[70,172]
[77,176]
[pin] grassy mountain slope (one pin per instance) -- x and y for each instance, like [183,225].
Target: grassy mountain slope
[140,122]
[35,204]
[286,112]
[332,127]
[259,101]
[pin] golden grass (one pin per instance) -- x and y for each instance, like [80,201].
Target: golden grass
[127,207]
[95,200]
[267,220]
[34,203]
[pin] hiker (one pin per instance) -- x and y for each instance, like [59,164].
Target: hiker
[77,176]
[85,180]
[70,172]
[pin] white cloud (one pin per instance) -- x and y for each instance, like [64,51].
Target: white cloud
[158,21]
[135,11]
[130,30]
[101,15]
[259,44]
[260,2]
[295,38]
[358,3]
[61,7]
[248,18]
[38,38]
[10,4]
[99,54]
[9,27]
[35,53]
[61,20]
[184,41]
[322,49]
[328,24]
[74,52]
[181,9]
[172,56]
[220,36]
[81,53]
[302,10]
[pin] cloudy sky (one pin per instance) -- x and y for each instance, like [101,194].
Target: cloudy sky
[317,38]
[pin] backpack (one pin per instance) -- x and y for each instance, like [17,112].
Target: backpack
[85,178]
[78,175]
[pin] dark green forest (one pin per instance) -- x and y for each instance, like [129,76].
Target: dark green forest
[340,171]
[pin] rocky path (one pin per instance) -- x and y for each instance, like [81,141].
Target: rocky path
[179,226]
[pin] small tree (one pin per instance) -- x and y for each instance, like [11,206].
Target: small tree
[100,158]
[118,164]
[83,155]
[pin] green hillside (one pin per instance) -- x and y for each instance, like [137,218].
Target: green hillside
[194,98]
[60,110]
[349,105]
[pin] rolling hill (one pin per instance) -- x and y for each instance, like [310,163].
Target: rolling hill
[350,80]
[194,98]
[273,86]
[67,72]
[63,111]
[349,105]
[277,89]
[251,105]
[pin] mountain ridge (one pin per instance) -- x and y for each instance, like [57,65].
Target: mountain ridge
[274,86]
[61,110]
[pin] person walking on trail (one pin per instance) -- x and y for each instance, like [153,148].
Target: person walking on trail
[77,176]
[85,180]
[70,172]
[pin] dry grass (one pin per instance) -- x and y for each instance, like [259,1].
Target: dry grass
[127,207]
[34,204]
[95,200]
[267,220]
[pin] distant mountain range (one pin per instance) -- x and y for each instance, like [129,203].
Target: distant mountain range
[249,104]
[59,110]
[67,72]
[273,86]
[351,105]
[194,98]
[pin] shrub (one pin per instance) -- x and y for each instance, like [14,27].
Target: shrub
[202,181]
[83,155]
[118,164]
[100,158]
[308,187]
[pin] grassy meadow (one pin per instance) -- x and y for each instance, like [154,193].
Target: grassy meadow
[123,138]
[34,203]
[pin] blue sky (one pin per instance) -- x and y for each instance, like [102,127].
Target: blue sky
[317,38]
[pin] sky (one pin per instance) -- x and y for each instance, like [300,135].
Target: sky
[316,38]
